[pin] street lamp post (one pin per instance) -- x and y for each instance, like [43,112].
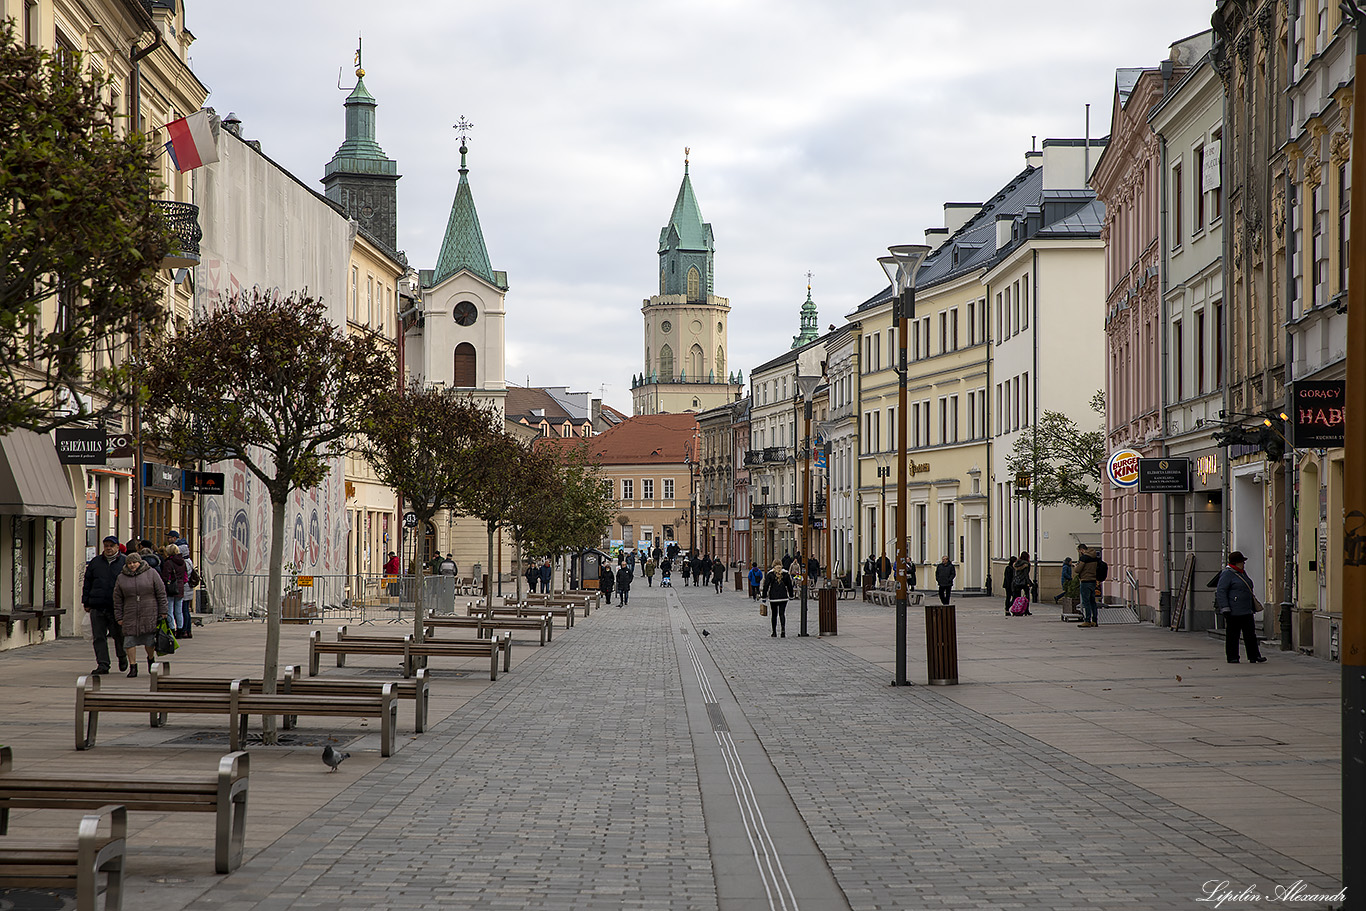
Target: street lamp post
[901,268]
[1352,651]
[806,510]
[884,471]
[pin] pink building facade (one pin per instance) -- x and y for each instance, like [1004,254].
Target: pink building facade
[1127,180]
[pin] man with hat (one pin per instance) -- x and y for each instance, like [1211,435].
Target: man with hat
[1233,597]
[97,597]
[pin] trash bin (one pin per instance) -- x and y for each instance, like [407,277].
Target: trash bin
[941,639]
[739,581]
[828,618]
[869,581]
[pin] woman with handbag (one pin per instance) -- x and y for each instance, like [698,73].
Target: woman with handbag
[777,592]
[1234,598]
[139,603]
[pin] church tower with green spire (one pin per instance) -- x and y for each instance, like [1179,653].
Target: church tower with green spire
[459,340]
[810,331]
[360,177]
[685,323]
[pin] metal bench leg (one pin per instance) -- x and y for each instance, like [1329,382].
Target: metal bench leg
[507,653]
[387,724]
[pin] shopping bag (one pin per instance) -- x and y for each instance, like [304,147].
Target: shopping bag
[165,639]
[763,608]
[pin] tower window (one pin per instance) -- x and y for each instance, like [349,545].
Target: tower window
[694,284]
[465,363]
[666,363]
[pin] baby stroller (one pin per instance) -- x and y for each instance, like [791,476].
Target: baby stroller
[664,574]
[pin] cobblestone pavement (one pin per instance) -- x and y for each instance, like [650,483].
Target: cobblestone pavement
[1124,769]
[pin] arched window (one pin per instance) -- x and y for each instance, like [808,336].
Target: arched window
[647,363]
[666,363]
[694,284]
[661,279]
[720,361]
[695,370]
[465,362]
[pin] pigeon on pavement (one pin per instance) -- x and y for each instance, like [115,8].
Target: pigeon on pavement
[705,633]
[334,757]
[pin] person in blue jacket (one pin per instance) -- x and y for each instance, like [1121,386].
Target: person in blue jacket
[756,578]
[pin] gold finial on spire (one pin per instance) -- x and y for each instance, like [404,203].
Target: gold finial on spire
[808,283]
[360,71]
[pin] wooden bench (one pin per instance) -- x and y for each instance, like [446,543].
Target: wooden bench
[239,703]
[485,626]
[223,794]
[65,866]
[567,611]
[584,601]
[409,650]
[415,688]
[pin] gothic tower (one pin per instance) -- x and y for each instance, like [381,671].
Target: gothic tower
[360,177]
[685,323]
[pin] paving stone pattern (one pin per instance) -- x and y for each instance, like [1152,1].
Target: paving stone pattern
[571,784]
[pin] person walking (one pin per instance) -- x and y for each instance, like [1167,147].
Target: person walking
[944,574]
[756,579]
[813,571]
[139,602]
[1237,603]
[718,575]
[666,569]
[685,570]
[884,568]
[532,574]
[1019,579]
[777,592]
[623,584]
[1007,577]
[1087,570]
[649,569]
[909,568]
[547,574]
[706,569]
[97,597]
[1064,579]
[174,575]
[696,572]
[605,580]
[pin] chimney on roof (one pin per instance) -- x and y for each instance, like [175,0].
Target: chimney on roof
[595,415]
[1005,226]
[957,214]
[1034,159]
[935,237]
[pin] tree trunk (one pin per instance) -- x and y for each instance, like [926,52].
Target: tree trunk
[492,526]
[274,596]
[419,604]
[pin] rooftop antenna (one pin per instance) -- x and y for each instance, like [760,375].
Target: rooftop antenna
[1086,167]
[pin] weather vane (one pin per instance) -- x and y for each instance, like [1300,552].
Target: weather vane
[686,152]
[360,71]
[464,126]
[808,279]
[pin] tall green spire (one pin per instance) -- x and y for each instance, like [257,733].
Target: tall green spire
[463,246]
[360,178]
[686,220]
[686,246]
[810,330]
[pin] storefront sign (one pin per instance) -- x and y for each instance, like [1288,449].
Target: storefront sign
[156,476]
[120,446]
[1207,467]
[914,469]
[1122,468]
[1164,475]
[209,482]
[80,445]
[1320,413]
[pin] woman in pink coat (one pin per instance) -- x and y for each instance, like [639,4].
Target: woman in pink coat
[139,602]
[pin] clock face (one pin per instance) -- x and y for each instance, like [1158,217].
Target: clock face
[466,313]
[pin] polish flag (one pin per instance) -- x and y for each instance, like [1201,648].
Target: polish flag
[192,143]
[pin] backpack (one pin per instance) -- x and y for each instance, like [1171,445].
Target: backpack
[194,580]
[1019,606]
[1102,570]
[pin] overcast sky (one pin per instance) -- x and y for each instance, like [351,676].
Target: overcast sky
[821,132]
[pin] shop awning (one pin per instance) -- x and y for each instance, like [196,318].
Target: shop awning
[32,481]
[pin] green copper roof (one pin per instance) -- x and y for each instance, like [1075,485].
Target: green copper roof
[463,246]
[810,331]
[359,152]
[686,221]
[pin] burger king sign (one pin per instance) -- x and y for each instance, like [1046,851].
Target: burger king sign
[1123,467]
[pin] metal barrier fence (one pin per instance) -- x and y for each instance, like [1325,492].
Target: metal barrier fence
[335,597]
[323,598]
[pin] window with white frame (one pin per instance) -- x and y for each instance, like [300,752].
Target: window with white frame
[972,323]
[953,420]
[628,489]
[953,328]
[647,489]
[1024,302]
[668,488]
[922,527]
[1024,395]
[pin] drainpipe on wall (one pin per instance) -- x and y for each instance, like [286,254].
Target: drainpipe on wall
[1164,515]
[1034,405]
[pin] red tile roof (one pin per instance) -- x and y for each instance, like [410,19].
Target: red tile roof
[641,440]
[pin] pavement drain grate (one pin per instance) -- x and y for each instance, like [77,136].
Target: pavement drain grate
[283,739]
[1256,740]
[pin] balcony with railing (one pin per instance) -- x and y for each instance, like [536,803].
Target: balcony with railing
[182,220]
[777,454]
[754,457]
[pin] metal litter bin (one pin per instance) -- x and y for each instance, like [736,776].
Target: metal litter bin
[941,640]
[828,614]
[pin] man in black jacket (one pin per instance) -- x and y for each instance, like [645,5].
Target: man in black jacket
[97,597]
